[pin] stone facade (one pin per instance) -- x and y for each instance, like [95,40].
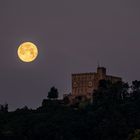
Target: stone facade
[84,84]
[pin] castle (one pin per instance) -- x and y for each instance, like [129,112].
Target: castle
[83,84]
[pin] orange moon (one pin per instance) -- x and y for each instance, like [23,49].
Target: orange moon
[27,52]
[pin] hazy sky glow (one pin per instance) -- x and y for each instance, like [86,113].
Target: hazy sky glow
[72,36]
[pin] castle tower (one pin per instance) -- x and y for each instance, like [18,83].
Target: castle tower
[83,84]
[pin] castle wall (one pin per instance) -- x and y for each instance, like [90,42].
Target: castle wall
[85,83]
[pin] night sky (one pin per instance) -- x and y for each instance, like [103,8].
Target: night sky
[72,36]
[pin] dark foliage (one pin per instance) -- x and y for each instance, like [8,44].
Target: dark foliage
[114,115]
[4,108]
[53,93]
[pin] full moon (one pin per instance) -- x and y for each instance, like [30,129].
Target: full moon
[27,52]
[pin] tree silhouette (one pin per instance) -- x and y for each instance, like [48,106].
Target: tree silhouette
[110,93]
[53,93]
[4,108]
[135,90]
[113,115]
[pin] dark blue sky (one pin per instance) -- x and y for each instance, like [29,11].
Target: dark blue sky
[72,36]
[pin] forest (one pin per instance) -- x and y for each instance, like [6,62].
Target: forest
[114,114]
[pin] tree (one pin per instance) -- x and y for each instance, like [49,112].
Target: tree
[4,108]
[135,85]
[135,136]
[135,90]
[53,93]
[110,93]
